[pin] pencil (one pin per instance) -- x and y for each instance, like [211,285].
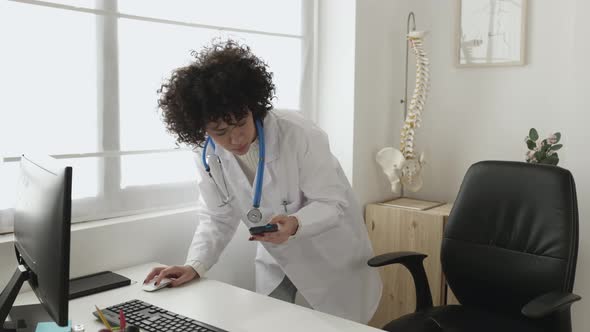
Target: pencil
[122,322]
[104,320]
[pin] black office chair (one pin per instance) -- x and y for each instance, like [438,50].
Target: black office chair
[509,254]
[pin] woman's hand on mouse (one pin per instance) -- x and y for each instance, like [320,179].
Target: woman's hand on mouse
[178,274]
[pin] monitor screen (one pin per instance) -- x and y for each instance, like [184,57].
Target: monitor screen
[42,231]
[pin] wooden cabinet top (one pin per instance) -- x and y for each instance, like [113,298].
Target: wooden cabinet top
[428,207]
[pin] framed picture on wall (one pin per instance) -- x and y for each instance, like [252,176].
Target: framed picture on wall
[490,33]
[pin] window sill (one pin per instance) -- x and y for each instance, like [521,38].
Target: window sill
[7,238]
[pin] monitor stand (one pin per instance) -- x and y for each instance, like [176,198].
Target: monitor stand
[24,318]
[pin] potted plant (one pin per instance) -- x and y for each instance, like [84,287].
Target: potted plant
[542,151]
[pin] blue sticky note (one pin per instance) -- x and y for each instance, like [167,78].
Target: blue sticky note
[52,327]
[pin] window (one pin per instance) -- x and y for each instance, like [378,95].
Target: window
[79,81]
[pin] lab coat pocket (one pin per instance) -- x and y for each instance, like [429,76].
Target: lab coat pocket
[288,208]
[338,248]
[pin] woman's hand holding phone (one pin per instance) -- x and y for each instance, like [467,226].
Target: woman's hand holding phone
[286,227]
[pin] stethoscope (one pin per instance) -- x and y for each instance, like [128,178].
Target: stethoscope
[254,215]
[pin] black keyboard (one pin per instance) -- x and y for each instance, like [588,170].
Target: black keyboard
[154,319]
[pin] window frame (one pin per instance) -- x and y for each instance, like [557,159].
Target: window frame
[110,195]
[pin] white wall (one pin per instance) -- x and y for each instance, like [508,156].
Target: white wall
[335,105]
[379,85]
[477,113]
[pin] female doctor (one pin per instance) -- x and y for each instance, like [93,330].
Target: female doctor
[267,167]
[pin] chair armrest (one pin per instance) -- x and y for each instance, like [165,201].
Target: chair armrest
[413,262]
[548,303]
[396,257]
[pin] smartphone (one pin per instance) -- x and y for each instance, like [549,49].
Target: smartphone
[264,229]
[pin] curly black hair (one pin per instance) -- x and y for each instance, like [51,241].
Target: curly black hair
[223,83]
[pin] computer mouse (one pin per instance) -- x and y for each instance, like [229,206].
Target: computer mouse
[151,287]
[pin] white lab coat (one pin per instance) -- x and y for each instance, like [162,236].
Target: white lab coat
[327,259]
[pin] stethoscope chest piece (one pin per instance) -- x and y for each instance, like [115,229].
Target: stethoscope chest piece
[254,215]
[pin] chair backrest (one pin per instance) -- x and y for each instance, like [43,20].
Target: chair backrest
[512,235]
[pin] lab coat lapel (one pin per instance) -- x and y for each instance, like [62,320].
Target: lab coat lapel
[271,138]
[270,180]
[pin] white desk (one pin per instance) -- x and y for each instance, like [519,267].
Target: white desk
[225,306]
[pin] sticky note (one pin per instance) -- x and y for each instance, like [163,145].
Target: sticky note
[52,327]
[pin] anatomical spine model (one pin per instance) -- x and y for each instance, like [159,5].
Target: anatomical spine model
[401,166]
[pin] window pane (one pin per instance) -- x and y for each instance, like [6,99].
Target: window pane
[145,62]
[9,173]
[85,176]
[84,179]
[157,168]
[48,81]
[90,4]
[283,56]
[282,16]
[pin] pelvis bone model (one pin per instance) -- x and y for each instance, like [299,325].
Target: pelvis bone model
[401,166]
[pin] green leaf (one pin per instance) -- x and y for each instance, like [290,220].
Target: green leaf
[552,160]
[533,134]
[531,145]
[558,135]
[540,155]
[545,147]
[556,147]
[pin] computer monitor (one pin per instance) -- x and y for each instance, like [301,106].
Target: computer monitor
[42,222]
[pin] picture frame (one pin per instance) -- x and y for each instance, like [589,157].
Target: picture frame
[490,33]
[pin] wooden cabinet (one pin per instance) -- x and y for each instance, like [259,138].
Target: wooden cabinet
[406,225]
